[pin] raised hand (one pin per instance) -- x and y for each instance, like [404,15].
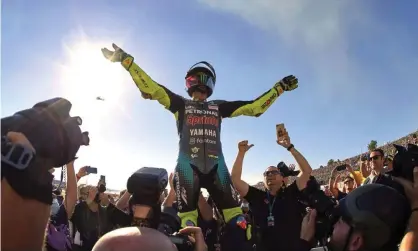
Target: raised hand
[118,55]
[243,146]
[288,83]
[284,139]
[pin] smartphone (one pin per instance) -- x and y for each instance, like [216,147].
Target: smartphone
[102,179]
[280,130]
[90,169]
[341,167]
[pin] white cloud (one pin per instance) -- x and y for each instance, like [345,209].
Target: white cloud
[317,31]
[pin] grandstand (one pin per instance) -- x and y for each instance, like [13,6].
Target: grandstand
[322,173]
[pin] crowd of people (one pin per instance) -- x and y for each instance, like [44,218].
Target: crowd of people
[81,215]
[340,207]
[322,173]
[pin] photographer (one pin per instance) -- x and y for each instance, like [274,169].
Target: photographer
[91,218]
[372,217]
[278,211]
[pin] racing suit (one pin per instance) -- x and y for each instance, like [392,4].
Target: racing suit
[200,160]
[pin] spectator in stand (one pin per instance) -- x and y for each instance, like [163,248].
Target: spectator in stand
[278,211]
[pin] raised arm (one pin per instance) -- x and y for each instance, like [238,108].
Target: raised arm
[236,172]
[304,166]
[258,106]
[148,87]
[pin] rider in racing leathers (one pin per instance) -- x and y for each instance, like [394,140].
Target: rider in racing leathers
[200,162]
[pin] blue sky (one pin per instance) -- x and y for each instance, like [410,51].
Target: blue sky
[356,62]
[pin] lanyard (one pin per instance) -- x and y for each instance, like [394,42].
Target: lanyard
[271,205]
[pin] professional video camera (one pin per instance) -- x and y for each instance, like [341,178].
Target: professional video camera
[404,161]
[146,185]
[327,213]
[55,137]
[50,129]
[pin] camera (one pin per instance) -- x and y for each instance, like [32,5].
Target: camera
[169,225]
[182,242]
[147,184]
[54,134]
[327,213]
[404,161]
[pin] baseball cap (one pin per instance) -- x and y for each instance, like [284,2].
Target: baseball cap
[285,170]
[379,211]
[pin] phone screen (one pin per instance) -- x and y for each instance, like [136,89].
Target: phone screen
[341,167]
[280,130]
[91,170]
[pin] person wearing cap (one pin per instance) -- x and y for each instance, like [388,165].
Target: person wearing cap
[277,211]
[372,217]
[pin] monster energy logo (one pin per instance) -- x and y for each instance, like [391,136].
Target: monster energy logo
[203,78]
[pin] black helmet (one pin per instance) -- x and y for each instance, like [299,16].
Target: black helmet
[379,212]
[201,76]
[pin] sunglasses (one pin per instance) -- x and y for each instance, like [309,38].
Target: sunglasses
[273,172]
[376,157]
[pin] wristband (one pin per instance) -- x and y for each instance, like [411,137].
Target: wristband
[290,147]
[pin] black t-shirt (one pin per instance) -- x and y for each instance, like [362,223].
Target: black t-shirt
[288,213]
[91,225]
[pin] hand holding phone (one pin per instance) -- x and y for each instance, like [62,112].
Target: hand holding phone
[90,169]
[280,130]
[341,167]
[102,184]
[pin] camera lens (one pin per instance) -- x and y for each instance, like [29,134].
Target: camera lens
[79,120]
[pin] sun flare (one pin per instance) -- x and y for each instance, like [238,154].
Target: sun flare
[86,75]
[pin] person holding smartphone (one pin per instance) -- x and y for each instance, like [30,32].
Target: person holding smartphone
[91,219]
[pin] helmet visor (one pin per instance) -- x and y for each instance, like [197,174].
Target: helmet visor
[200,79]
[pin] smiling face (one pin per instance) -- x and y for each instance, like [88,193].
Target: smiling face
[273,179]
